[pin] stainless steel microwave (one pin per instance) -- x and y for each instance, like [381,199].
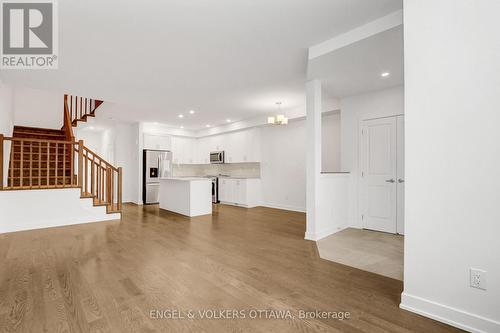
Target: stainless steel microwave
[217,157]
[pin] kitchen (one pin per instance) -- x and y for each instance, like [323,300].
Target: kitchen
[187,175]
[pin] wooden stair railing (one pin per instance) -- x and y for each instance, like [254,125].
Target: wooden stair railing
[37,164]
[48,164]
[80,108]
[99,179]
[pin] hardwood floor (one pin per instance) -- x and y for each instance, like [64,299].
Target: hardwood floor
[108,276]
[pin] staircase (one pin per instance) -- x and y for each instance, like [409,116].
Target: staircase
[80,108]
[42,158]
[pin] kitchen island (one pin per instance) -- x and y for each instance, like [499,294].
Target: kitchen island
[189,196]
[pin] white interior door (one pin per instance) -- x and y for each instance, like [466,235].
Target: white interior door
[379,174]
[401,175]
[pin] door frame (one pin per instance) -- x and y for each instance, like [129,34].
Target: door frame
[359,170]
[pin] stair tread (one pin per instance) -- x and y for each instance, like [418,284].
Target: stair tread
[36,129]
[98,202]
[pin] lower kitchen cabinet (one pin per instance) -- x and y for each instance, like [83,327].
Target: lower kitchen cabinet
[240,191]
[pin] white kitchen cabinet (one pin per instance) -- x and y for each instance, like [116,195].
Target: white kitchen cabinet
[239,147]
[176,150]
[183,150]
[189,151]
[240,192]
[242,146]
[157,142]
[203,150]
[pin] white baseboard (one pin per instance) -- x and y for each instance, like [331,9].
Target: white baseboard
[285,207]
[322,234]
[448,315]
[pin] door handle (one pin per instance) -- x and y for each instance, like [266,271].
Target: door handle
[401,180]
[390,180]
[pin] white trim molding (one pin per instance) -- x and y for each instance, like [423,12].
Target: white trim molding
[284,207]
[370,29]
[322,234]
[448,315]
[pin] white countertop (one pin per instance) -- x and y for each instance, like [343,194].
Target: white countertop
[237,177]
[186,179]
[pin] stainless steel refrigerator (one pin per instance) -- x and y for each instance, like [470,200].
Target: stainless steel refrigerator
[156,164]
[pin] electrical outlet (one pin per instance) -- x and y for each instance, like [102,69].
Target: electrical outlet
[478,278]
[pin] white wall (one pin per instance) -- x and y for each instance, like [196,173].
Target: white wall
[47,208]
[330,147]
[38,108]
[283,150]
[452,80]
[378,104]
[6,122]
[283,166]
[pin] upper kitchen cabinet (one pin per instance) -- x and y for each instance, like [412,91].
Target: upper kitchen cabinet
[157,142]
[183,150]
[243,146]
[202,150]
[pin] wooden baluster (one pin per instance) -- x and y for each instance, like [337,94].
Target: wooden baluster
[101,195]
[48,164]
[1,161]
[120,175]
[103,179]
[81,108]
[12,142]
[71,107]
[86,105]
[80,165]
[39,164]
[98,184]
[92,176]
[57,163]
[108,185]
[72,163]
[31,164]
[64,165]
[111,187]
[21,171]
[86,172]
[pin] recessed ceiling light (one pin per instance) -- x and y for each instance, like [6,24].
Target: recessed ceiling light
[191,111]
[182,126]
[228,120]
[385,74]
[91,127]
[156,123]
[181,116]
[207,125]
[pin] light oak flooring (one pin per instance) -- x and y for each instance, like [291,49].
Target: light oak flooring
[107,276]
[371,251]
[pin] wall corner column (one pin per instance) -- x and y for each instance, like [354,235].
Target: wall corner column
[313,140]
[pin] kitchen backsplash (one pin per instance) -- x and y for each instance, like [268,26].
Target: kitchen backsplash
[250,170]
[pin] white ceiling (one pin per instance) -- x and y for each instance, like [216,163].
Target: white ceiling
[222,58]
[357,68]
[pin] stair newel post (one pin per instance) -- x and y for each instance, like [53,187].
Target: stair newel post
[80,165]
[1,161]
[119,188]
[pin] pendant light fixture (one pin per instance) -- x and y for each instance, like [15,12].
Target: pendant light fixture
[279,119]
